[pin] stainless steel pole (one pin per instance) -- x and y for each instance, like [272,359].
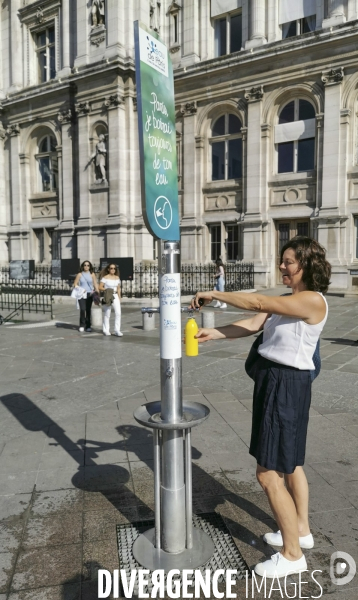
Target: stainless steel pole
[188,490]
[173,530]
[156,444]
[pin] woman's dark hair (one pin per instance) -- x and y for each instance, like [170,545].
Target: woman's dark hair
[312,258]
[83,266]
[219,263]
[105,271]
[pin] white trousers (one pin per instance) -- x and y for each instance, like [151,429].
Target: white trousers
[107,313]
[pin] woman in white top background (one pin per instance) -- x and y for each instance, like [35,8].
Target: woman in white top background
[109,279]
[282,395]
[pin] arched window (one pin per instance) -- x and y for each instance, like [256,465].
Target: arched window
[226,148]
[47,164]
[295,137]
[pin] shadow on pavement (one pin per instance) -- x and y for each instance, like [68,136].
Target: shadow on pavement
[341,341]
[113,480]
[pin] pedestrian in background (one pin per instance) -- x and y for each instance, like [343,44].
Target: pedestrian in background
[220,282]
[109,280]
[280,364]
[86,280]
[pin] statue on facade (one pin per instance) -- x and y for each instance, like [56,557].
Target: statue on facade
[97,13]
[100,158]
[155,15]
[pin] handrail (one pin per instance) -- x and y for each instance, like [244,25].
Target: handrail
[15,311]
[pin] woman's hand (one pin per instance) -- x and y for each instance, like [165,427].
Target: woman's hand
[207,297]
[205,335]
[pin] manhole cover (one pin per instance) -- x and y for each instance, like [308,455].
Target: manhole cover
[226,555]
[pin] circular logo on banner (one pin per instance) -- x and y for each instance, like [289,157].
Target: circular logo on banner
[163,212]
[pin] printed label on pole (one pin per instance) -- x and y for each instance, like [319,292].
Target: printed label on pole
[157,134]
[170,316]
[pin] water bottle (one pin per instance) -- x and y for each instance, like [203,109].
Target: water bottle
[191,344]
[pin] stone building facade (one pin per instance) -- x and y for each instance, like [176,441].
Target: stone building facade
[267,130]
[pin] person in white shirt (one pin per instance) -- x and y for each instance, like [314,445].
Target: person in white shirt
[291,328]
[109,279]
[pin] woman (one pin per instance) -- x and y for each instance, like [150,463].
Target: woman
[220,281]
[291,328]
[109,279]
[86,279]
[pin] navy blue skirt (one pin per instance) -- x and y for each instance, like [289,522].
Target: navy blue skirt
[282,399]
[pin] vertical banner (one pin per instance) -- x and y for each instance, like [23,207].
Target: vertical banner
[157,135]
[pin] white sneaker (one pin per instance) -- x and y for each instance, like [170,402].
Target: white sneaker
[89,329]
[224,305]
[217,305]
[106,333]
[119,334]
[81,329]
[275,539]
[279,566]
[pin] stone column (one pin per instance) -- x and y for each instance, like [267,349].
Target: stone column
[352,10]
[84,249]
[82,12]
[115,26]
[190,209]
[13,132]
[332,80]
[3,217]
[16,47]
[252,225]
[257,20]
[335,13]
[65,173]
[191,26]
[65,37]
[329,220]
[118,173]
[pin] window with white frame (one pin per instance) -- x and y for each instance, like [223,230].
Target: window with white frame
[46,54]
[297,17]
[226,148]
[295,137]
[298,27]
[232,242]
[215,241]
[228,34]
[47,164]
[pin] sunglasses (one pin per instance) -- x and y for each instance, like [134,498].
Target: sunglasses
[112,268]
[86,265]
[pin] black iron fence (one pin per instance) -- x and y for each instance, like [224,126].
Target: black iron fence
[20,297]
[194,278]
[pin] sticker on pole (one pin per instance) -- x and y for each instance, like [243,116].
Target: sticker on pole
[157,134]
[170,316]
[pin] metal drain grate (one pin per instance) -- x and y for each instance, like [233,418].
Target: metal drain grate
[226,555]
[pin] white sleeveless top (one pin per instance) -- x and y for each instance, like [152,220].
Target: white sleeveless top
[111,283]
[291,341]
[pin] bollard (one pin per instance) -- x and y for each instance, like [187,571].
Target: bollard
[148,321]
[208,319]
[96,317]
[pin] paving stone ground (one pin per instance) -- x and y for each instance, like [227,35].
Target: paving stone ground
[74,463]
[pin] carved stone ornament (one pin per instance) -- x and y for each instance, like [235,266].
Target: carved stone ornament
[65,116]
[82,108]
[113,101]
[254,94]
[13,130]
[98,35]
[190,108]
[40,14]
[333,76]
[2,132]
